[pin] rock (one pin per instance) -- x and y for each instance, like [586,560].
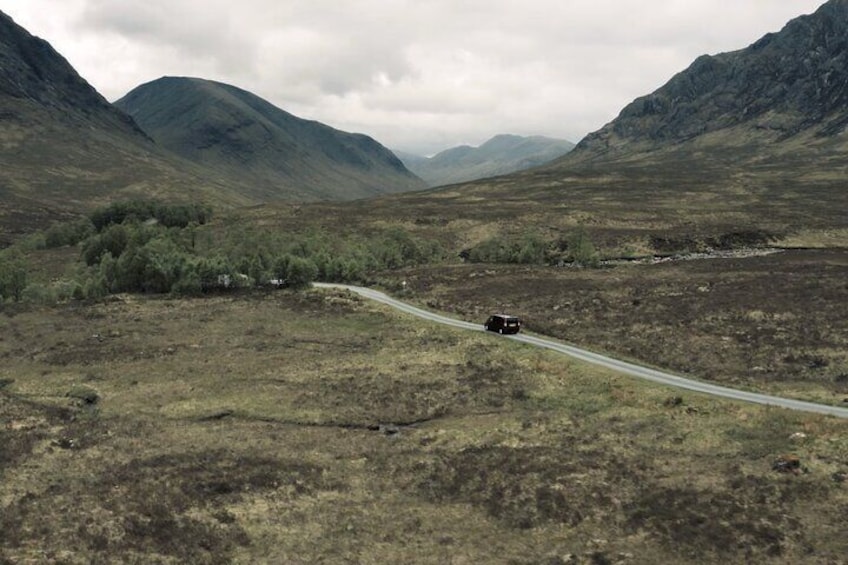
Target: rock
[798,436]
[389,429]
[787,464]
[673,401]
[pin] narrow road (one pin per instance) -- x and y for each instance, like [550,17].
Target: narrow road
[645,373]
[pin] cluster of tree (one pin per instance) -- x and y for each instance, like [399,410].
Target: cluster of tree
[168,215]
[290,259]
[531,248]
[135,211]
[122,250]
[528,248]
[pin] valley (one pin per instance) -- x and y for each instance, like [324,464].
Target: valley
[301,427]
[174,388]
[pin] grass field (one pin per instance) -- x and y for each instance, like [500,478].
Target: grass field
[318,428]
[775,323]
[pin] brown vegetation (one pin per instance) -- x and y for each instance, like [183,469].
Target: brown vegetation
[313,427]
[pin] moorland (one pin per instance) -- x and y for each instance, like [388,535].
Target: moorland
[173,390]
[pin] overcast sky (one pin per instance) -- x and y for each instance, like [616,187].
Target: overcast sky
[417,75]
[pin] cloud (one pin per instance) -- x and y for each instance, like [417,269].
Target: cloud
[418,75]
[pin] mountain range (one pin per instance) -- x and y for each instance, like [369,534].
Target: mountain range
[64,148]
[767,121]
[750,141]
[503,154]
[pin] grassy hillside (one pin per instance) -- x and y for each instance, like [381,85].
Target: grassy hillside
[270,153]
[683,199]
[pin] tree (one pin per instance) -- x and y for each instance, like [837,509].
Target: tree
[296,272]
[13,276]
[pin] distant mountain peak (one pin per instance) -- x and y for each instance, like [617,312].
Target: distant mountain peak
[500,155]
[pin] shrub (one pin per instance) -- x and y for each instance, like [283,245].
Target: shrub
[581,250]
[38,294]
[296,272]
[84,394]
[68,233]
[528,248]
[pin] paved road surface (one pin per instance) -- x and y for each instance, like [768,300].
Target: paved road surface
[604,361]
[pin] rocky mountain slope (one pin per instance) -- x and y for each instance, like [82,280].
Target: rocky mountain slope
[787,86]
[241,136]
[500,155]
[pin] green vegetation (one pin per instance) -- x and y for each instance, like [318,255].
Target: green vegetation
[528,248]
[150,247]
[531,248]
[168,215]
[580,249]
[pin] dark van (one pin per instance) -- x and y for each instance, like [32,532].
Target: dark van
[503,324]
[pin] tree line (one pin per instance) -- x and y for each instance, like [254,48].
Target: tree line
[151,247]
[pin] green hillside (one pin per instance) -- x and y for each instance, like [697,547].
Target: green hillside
[241,136]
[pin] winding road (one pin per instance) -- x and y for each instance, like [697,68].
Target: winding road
[624,367]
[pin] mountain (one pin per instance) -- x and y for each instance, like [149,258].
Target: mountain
[743,146]
[240,136]
[787,87]
[500,155]
[64,148]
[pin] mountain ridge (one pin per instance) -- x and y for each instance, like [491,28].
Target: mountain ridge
[788,83]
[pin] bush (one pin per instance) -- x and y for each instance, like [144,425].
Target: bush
[84,394]
[68,233]
[295,272]
[528,248]
[189,284]
[38,294]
